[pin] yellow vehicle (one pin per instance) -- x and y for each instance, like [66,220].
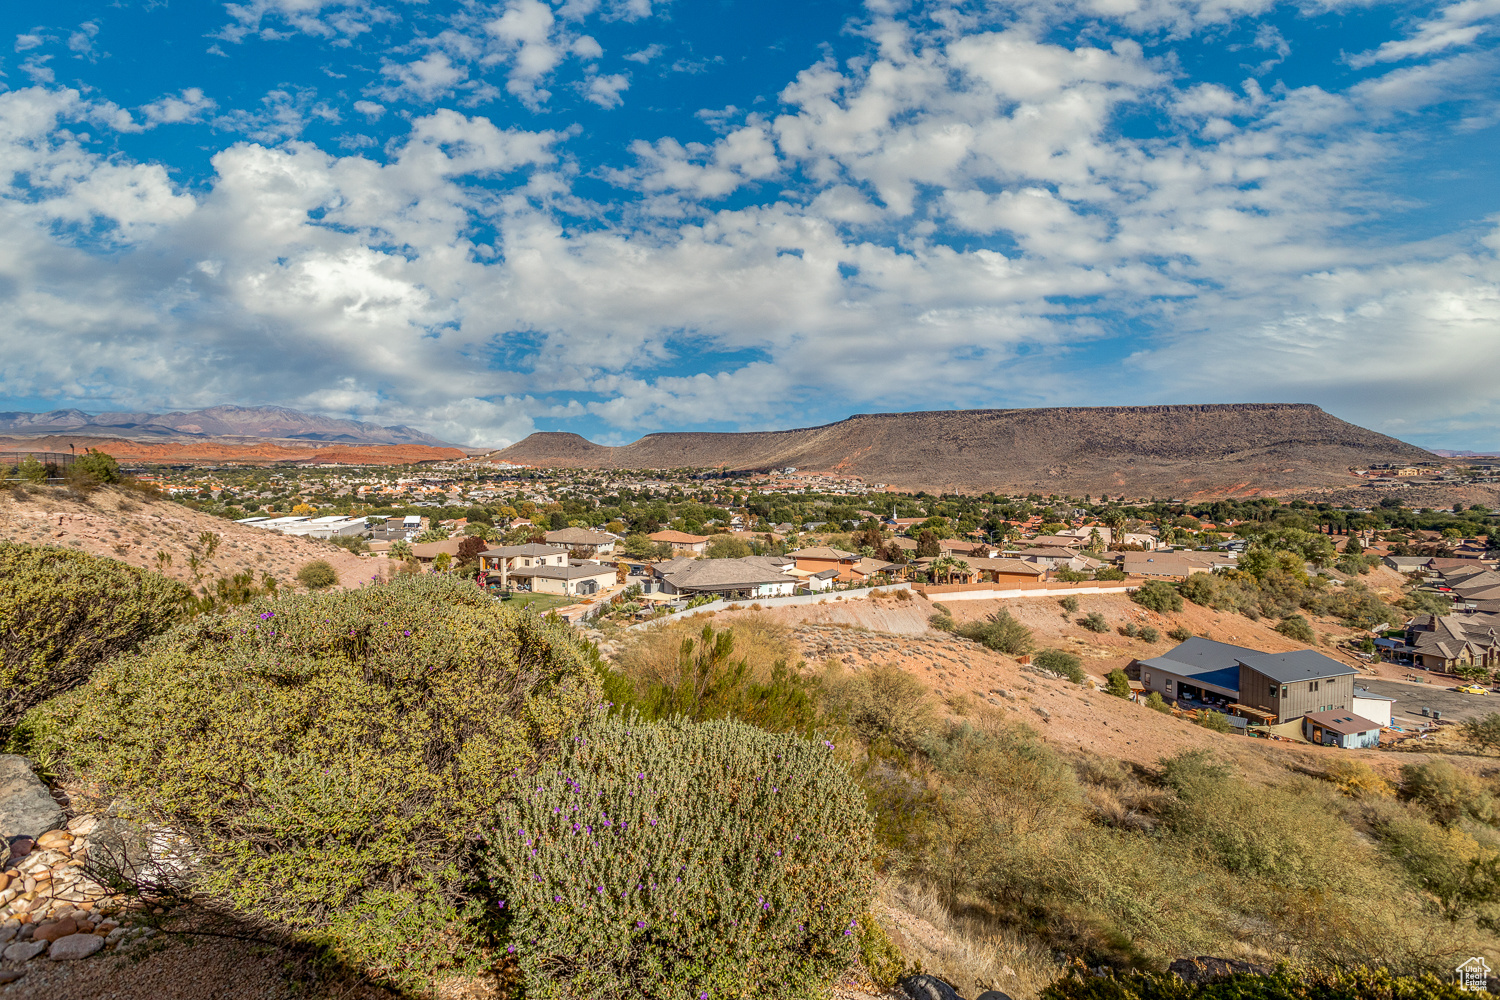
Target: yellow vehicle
[1472,689]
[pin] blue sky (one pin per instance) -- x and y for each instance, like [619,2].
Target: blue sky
[624,216]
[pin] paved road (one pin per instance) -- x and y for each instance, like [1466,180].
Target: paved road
[1411,697]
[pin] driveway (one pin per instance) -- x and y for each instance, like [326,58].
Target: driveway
[1410,698]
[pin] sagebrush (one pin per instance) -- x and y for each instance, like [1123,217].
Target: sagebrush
[63,613]
[673,859]
[334,755]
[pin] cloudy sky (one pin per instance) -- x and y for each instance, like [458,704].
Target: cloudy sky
[622,216]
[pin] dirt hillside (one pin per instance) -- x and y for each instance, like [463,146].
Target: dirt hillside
[965,676]
[247,452]
[124,525]
[1169,451]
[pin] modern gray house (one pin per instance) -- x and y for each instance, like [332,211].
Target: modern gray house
[1295,684]
[1261,687]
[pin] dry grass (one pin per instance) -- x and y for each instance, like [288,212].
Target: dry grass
[969,949]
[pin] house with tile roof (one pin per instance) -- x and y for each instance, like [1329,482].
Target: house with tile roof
[734,579]
[681,541]
[583,542]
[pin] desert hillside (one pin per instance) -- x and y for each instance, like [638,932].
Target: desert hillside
[247,451]
[272,423]
[124,525]
[1175,451]
[964,674]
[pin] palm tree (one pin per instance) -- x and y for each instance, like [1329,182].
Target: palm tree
[1115,521]
[941,568]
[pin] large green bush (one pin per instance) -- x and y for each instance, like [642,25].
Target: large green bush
[1158,595]
[334,756]
[62,613]
[1062,663]
[1296,627]
[711,683]
[1446,792]
[1000,632]
[675,859]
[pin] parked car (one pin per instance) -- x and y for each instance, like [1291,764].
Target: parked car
[1472,689]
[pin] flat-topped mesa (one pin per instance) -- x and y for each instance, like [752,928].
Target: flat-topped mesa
[1165,450]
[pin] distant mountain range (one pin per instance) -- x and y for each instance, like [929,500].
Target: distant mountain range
[262,423]
[1139,451]
[1444,453]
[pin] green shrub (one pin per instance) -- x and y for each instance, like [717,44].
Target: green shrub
[63,613]
[675,859]
[1064,664]
[1449,864]
[334,755]
[1155,702]
[999,632]
[1117,684]
[1066,574]
[710,683]
[1094,622]
[352,543]
[726,547]
[317,575]
[1484,732]
[32,471]
[885,704]
[1157,595]
[1180,633]
[93,469]
[1128,630]
[1357,779]
[1291,844]
[1446,792]
[1296,627]
[1216,721]
[1148,634]
[879,954]
[942,622]
[1069,604]
[1109,573]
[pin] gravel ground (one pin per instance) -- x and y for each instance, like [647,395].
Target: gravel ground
[219,969]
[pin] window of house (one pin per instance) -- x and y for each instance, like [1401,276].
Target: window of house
[1273,690]
[1283,690]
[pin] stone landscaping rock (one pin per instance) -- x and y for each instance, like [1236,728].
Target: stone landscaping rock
[8,976]
[8,931]
[925,987]
[24,951]
[26,807]
[54,840]
[75,946]
[993,995]
[51,932]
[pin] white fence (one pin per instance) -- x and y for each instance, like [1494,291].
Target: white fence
[937,594]
[825,597]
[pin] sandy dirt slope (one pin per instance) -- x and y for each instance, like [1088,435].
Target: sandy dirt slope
[968,677]
[128,526]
